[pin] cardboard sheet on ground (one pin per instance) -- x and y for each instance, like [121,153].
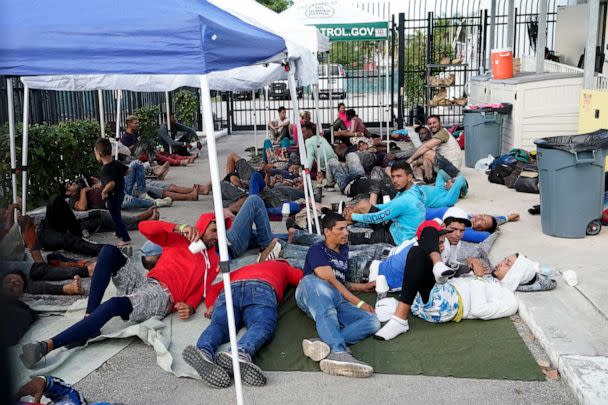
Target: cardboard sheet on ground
[471,348]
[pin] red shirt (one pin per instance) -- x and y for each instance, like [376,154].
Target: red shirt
[278,273]
[187,276]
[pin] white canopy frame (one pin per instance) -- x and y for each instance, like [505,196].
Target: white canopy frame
[13,147]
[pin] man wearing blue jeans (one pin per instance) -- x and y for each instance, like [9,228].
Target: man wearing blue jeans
[256,290]
[323,294]
[241,235]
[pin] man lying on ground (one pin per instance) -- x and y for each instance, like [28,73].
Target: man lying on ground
[55,389]
[60,230]
[482,225]
[175,283]
[257,290]
[137,186]
[341,318]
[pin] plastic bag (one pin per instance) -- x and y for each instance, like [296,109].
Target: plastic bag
[575,143]
[483,164]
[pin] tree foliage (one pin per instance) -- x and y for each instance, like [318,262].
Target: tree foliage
[56,153]
[186,106]
[276,5]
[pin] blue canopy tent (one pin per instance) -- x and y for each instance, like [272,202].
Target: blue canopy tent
[188,37]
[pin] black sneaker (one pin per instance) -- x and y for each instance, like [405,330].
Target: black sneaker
[210,372]
[31,353]
[251,374]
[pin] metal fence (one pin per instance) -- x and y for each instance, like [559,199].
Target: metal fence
[355,74]
[55,106]
[429,43]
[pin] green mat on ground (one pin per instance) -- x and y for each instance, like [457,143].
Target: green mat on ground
[468,349]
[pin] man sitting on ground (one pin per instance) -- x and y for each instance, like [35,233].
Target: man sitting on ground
[257,290]
[440,152]
[130,137]
[183,133]
[356,128]
[279,128]
[341,318]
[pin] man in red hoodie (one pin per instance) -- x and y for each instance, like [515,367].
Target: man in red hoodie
[177,282]
[256,291]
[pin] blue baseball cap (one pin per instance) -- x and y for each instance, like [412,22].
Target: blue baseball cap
[151,249]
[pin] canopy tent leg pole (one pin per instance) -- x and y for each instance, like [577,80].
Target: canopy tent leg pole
[255,125]
[315,90]
[11,131]
[379,89]
[118,108]
[386,96]
[24,147]
[102,121]
[303,158]
[329,96]
[221,230]
[267,110]
[168,113]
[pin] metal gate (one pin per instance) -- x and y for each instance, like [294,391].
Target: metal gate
[439,52]
[353,73]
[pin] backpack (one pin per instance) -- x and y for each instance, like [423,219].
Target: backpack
[520,155]
[501,171]
[512,178]
[506,159]
[527,182]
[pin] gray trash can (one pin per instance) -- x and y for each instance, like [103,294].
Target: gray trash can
[483,135]
[571,182]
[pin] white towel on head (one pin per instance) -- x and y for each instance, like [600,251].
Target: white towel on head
[522,271]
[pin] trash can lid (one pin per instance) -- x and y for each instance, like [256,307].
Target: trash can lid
[575,143]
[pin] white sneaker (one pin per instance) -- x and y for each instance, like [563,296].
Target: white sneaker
[271,252]
[145,196]
[442,272]
[315,349]
[163,202]
[393,328]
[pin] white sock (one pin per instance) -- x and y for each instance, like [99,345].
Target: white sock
[393,328]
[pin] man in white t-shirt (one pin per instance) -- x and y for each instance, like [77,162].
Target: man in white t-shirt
[440,152]
[279,128]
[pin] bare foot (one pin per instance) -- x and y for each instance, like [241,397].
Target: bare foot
[91,268]
[291,232]
[164,172]
[204,189]
[194,194]
[74,287]
[147,214]
[155,215]
[184,162]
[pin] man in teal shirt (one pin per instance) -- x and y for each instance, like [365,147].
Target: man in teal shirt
[405,212]
[446,190]
[317,148]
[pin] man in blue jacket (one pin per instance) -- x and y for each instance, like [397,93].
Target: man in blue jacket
[396,221]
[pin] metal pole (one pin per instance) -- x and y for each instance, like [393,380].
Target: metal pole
[492,31]
[303,158]
[255,125]
[315,90]
[13,147]
[590,46]
[511,25]
[168,107]
[118,108]
[102,115]
[267,110]
[541,39]
[386,110]
[221,230]
[24,147]
[400,70]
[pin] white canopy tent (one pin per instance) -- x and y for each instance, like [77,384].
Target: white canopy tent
[341,20]
[302,59]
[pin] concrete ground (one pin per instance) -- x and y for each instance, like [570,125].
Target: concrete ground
[567,326]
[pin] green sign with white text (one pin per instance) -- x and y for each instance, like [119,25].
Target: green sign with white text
[373,31]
